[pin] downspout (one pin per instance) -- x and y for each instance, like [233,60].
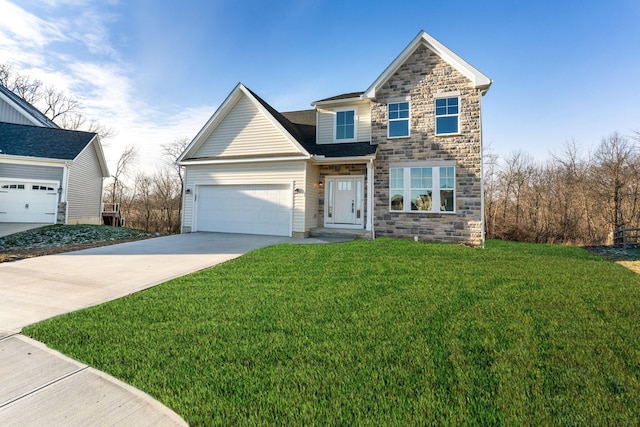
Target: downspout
[370,192]
[481,172]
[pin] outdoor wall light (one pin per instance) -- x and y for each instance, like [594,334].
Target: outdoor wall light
[187,191]
[298,191]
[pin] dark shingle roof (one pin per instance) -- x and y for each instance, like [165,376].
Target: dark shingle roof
[44,142]
[33,111]
[342,96]
[302,126]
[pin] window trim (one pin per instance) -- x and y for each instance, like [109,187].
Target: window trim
[435,187]
[436,115]
[407,119]
[335,125]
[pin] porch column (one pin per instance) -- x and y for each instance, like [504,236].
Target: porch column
[369,225]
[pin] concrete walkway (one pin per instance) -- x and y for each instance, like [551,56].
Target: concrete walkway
[39,386]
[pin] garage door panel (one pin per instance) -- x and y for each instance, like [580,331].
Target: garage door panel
[263,209]
[28,202]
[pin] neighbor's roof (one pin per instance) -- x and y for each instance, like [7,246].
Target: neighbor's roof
[42,142]
[29,111]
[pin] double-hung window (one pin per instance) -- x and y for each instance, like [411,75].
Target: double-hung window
[447,116]
[422,189]
[345,125]
[398,116]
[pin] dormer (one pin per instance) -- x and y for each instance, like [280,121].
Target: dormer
[343,119]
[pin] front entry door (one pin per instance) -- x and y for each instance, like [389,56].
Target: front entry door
[345,200]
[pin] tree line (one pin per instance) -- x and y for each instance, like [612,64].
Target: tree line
[575,197]
[148,201]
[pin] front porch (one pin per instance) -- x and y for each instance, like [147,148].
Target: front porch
[345,198]
[350,233]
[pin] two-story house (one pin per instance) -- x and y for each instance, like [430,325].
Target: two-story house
[403,158]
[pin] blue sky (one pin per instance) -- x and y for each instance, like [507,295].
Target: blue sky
[156,70]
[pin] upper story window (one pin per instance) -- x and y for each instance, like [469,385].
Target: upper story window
[398,115]
[447,116]
[345,125]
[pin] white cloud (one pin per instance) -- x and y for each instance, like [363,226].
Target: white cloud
[83,63]
[26,29]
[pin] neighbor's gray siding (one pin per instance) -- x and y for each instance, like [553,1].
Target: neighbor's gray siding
[8,114]
[27,172]
[84,195]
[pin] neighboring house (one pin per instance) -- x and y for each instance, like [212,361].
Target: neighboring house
[48,175]
[401,159]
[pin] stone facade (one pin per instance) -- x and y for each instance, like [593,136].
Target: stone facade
[420,79]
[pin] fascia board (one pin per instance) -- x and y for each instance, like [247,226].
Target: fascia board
[212,123]
[478,79]
[273,120]
[21,110]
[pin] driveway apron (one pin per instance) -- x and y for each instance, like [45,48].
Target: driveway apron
[39,386]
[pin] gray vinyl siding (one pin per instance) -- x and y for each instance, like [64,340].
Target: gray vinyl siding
[27,172]
[84,195]
[8,114]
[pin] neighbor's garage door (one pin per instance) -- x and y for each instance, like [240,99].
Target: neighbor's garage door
[28,202]
[256,209]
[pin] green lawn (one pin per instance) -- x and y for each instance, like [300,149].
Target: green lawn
[388,332]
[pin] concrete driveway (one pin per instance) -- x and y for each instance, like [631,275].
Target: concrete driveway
[43,387]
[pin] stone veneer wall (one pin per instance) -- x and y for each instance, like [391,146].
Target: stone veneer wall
[340,170]
[422,77]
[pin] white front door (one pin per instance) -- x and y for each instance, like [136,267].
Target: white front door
[344,201]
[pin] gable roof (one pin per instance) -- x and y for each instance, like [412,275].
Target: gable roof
[299,126]
[30,112]
[48,143]
[283,125]
[479,80]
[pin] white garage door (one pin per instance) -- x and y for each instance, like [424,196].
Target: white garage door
[28,202]
[256,209]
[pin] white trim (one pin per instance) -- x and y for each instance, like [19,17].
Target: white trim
[369,187]
[337,101]
[435,189]
[479,80]
[39,161]
[408,119]
[322,160]
[247,160]
[358,223]
[24,112]
[335,124]
[435,115]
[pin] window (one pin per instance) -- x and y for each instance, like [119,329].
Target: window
[425,189]
[14,186]
[345,125]
[398,119]
[447,113]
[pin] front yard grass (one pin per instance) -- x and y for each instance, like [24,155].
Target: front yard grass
[388,332]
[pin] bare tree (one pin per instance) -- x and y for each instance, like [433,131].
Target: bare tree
[126,161]
[61,108]
[613,163]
